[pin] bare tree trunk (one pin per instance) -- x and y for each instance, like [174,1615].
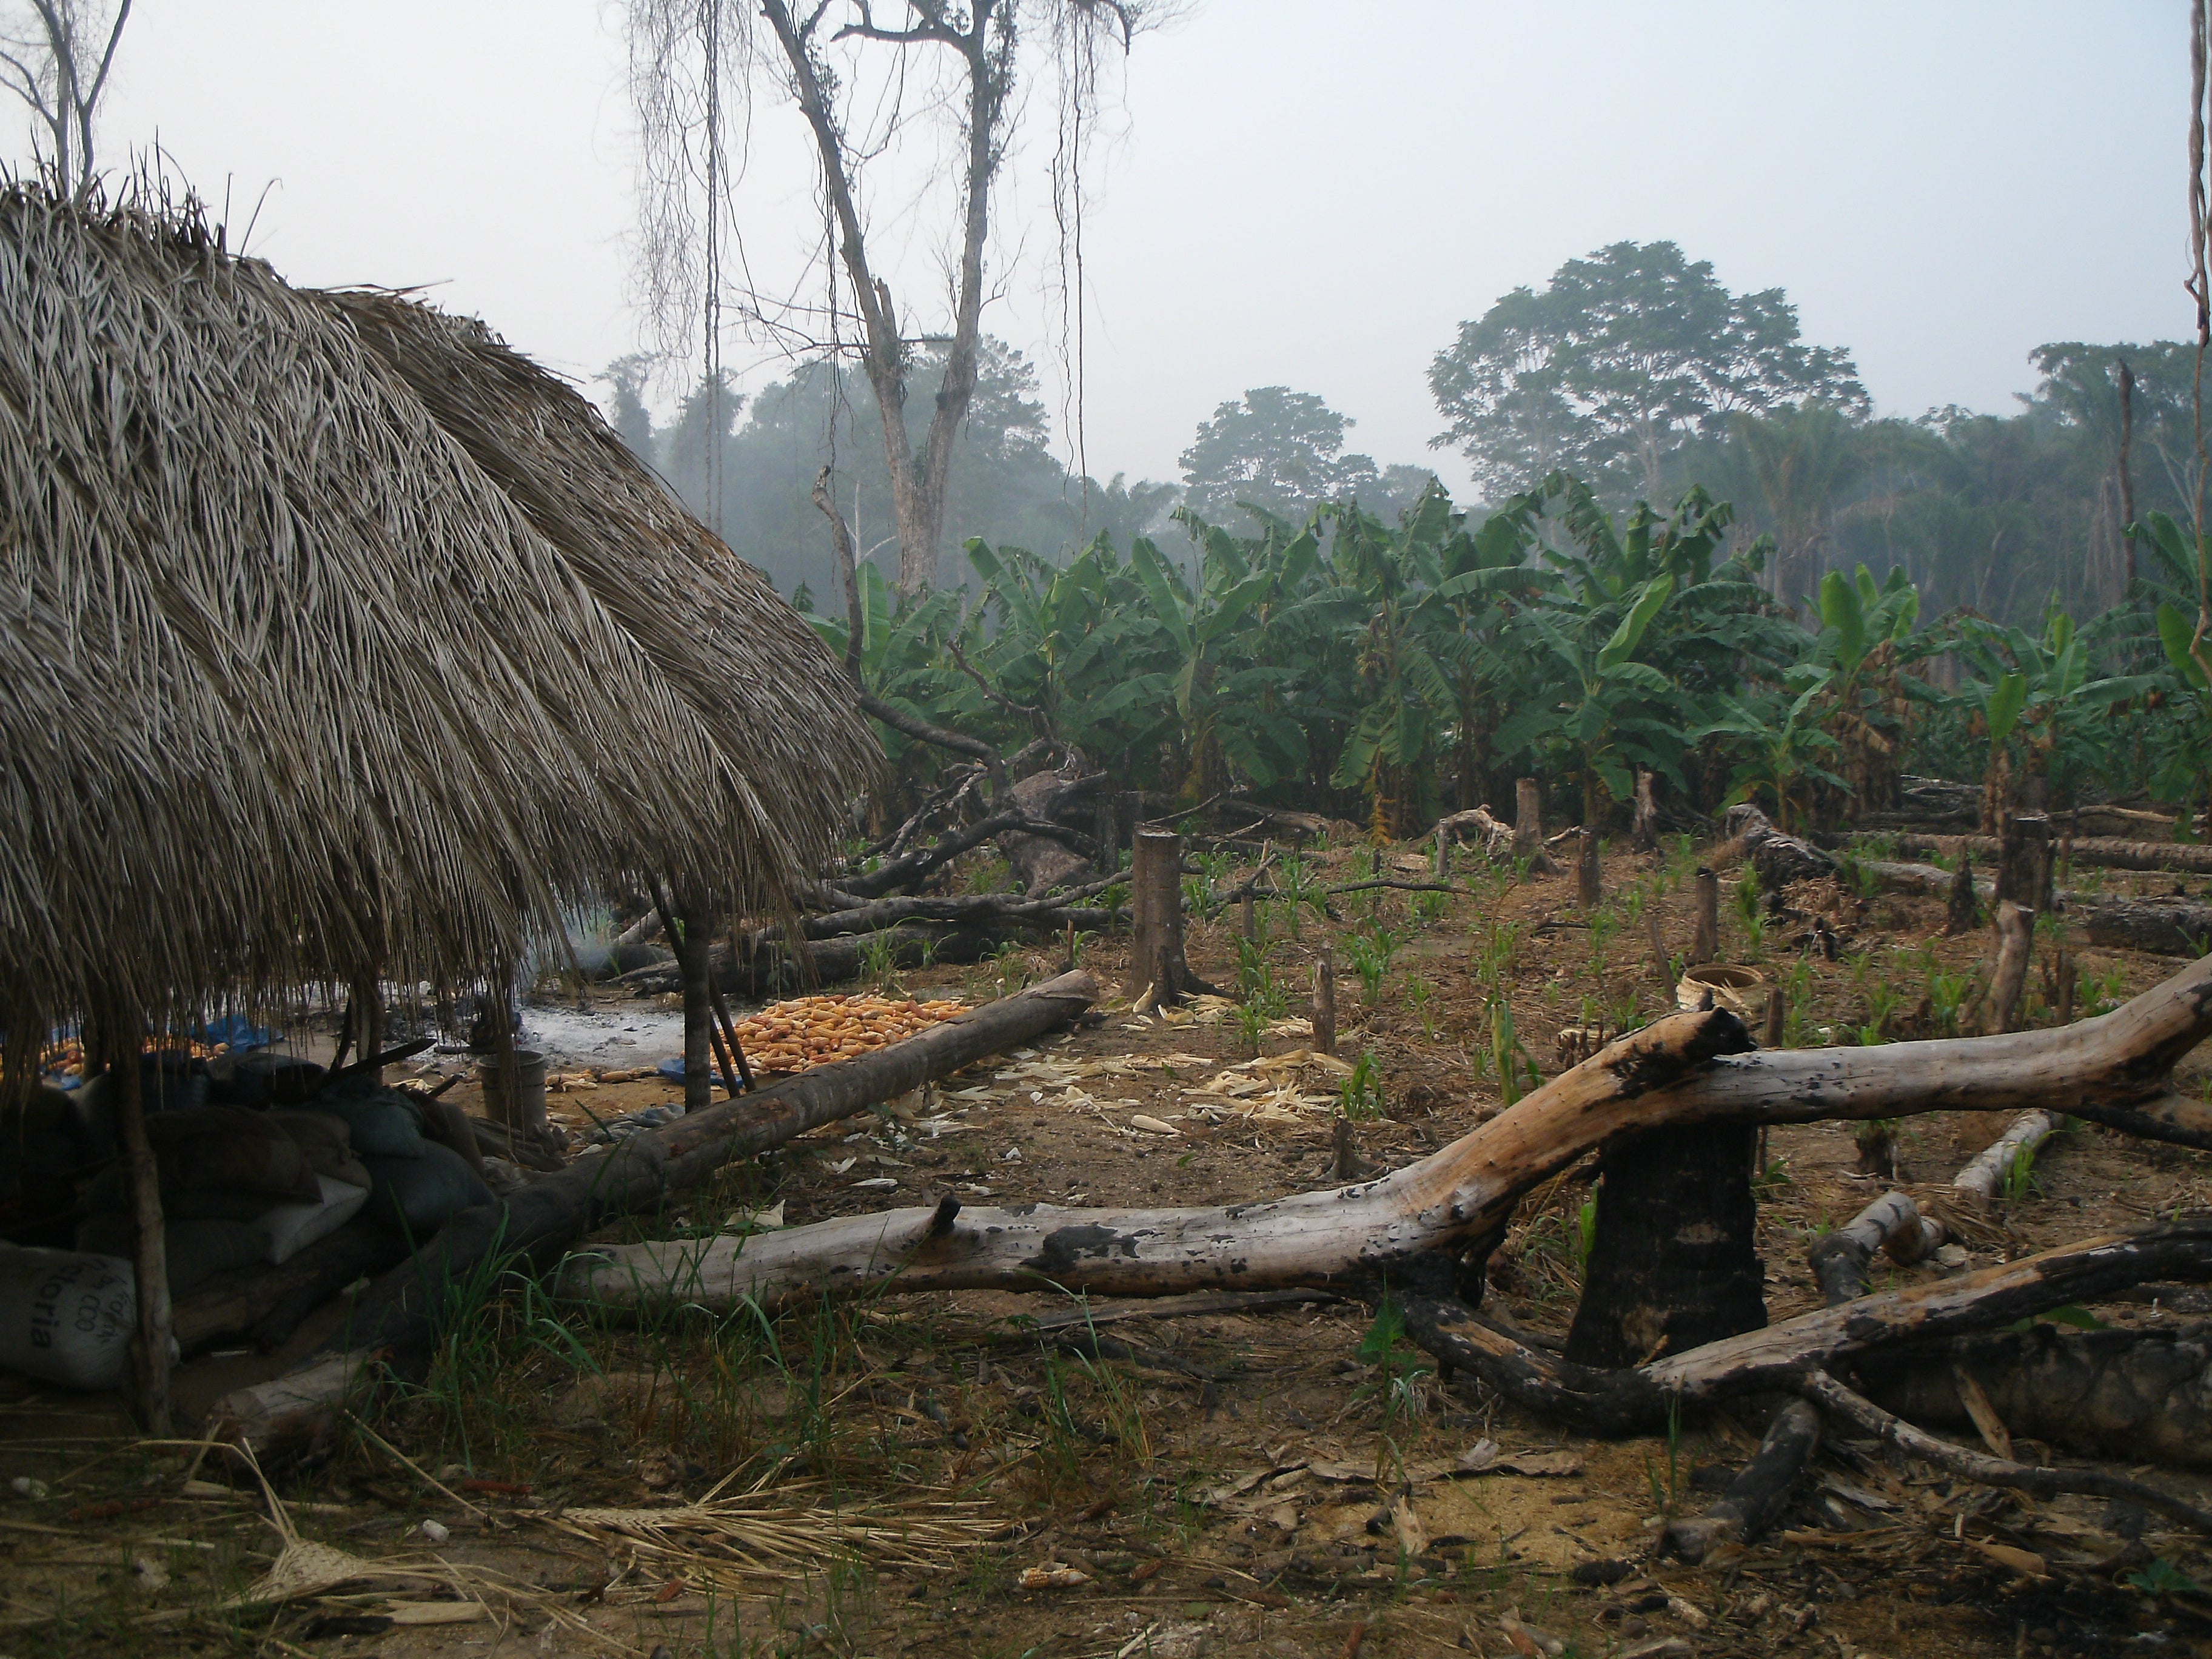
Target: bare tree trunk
[1589,887]
[983,41]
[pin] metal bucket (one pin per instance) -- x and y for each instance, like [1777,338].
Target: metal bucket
[518,1101]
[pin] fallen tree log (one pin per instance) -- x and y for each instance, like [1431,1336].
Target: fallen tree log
[1756,1498]
[1636,1400]
[1863,1414]
[397,1322]
[920,864]
[771,970]
[267,1304]
[1684,1068]
[2142,1396]
[2106,852]
[1052,911]
[2163,927]
[2159,926]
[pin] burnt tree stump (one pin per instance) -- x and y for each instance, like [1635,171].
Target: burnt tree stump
[1673,1264]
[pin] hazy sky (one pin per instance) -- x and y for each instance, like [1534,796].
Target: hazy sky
[1305,193]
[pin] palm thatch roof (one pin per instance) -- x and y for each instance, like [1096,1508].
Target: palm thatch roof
[337,638]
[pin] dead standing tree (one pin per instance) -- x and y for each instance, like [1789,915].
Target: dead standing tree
[55,56]
[817,53]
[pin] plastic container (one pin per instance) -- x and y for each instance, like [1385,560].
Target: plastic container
[519,1102]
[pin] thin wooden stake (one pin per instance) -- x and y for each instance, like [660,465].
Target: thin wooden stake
[1324,1013]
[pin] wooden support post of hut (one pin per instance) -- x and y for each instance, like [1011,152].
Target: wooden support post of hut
[149,1345]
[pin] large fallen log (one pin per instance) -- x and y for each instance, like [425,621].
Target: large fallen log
[770,969]
[2106,852]
[1684,1068]
[1636,1400]
[2163,927]
[397,1321]
[2160,926]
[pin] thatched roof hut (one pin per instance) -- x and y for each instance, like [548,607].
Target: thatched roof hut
[336,639]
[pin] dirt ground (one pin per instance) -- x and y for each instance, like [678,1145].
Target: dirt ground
[1227,1483]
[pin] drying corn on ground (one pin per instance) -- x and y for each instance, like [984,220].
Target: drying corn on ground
[790,1036]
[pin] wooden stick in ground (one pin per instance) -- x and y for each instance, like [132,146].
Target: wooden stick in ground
[396,1320]
[1528,818]
[1324,1007]
[149,1346]
[730,1033]
[1644,833]
[1777,1019]
[1684,1068]
[1705,943]
[1862,1414]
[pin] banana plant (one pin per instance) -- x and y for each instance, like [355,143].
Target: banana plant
[2033,699]
[1867,701]
[1227,695]
[1073,642]
[1782,763]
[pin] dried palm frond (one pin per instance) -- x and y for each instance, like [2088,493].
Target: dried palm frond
[724,1540]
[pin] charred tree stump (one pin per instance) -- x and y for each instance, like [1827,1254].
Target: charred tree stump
[1959,915]
[1705,943]
[1156,956]
[1674,1264]
[1588,884]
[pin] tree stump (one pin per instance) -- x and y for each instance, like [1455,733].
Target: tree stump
[1644,835]
[1959,914]
[1528,818]
[1706,945]
[1673,1264]
[1589,886]
[1156,897]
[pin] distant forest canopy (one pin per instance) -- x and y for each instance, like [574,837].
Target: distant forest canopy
[1634,368]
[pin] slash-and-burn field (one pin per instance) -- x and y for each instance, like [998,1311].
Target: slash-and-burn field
[988,1474]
